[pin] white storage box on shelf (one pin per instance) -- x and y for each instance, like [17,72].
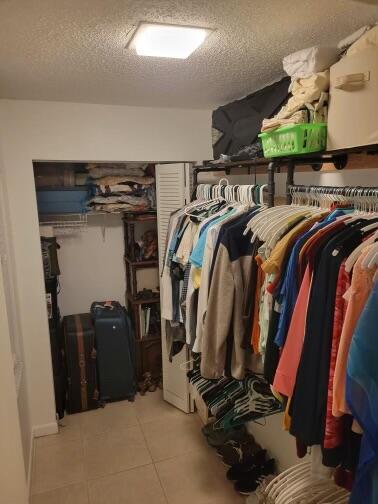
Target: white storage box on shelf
[353,108]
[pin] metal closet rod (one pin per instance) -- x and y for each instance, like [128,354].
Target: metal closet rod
[349,191]
[315,160]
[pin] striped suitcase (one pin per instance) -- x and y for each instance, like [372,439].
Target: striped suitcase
[80,353]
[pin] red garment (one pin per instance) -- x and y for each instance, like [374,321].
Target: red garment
[286,373]
[313,244]
[333,436]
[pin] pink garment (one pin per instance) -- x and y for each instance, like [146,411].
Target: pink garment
[361,285]
[334,430]
[286,374]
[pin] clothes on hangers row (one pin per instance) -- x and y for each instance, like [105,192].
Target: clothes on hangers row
[192,239]
[289,283]
[235,402]
[248,194]
[311,332]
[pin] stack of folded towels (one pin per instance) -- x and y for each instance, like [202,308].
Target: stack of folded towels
[121,187]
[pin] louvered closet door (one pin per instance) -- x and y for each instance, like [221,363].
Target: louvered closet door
[171,195]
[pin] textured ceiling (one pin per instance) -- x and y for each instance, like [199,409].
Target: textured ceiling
[74,50]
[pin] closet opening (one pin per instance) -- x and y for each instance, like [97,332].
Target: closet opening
[99,248]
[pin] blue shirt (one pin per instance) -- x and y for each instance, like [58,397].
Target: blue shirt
[362,398]
[289,286]
[196,257]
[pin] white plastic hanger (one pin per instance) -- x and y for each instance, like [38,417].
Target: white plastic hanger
[331,496]
[370,261]
[275,487]
[352,258]
[297,489]
[261,195]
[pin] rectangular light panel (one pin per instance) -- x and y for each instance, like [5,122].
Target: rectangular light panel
[167,41]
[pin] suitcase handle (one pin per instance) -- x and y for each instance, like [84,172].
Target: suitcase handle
[344,81]
[104,306]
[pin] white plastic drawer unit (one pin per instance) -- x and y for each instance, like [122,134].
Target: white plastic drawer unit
[353,108]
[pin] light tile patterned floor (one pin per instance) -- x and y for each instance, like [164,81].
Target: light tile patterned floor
[146,452]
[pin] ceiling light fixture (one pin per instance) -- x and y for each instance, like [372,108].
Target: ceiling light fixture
[166,40]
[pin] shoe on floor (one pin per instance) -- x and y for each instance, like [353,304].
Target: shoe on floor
[236,452]
[209,428]
[252,479]
[219,437]
[237,471]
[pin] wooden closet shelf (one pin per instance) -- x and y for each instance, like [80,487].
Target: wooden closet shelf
[356,158]
[142,264]
[139,217]
[133,300]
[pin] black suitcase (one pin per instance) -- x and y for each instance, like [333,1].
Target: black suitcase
[60,379]
[51,288]
[237,124]
[60,394]
[80,352]
[115,346]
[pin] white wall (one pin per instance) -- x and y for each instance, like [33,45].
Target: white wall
[13,489]
[92,264]
[14,461]
[74,132]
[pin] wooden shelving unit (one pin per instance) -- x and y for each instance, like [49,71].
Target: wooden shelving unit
[142,264]
[148,345]
[141,301]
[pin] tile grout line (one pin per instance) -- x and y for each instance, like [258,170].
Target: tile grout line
[85,480]
[161,484]
[89,480]
[83,458]
[154,466]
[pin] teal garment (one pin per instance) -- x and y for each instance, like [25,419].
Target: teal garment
[362,398]
[196,257]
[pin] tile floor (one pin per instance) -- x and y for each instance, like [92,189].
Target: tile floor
[146,452]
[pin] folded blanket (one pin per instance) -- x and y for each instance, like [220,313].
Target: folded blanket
[111,189]
[304,91]
[315,112]
[299,117]
[98,170]
[122,207]
[124,179]
[121,198]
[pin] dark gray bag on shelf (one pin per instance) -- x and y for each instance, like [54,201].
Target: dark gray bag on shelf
[115,344]
[238,123]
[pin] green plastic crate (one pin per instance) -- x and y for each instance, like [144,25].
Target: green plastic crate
[294,139]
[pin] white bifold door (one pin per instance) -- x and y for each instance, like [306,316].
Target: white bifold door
[172,192]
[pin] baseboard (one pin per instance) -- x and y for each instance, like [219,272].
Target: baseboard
[30,465]
[45,430]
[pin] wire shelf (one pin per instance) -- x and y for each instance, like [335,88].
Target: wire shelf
[65,223]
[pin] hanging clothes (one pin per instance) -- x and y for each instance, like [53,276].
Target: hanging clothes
[288,284]
[362,397]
